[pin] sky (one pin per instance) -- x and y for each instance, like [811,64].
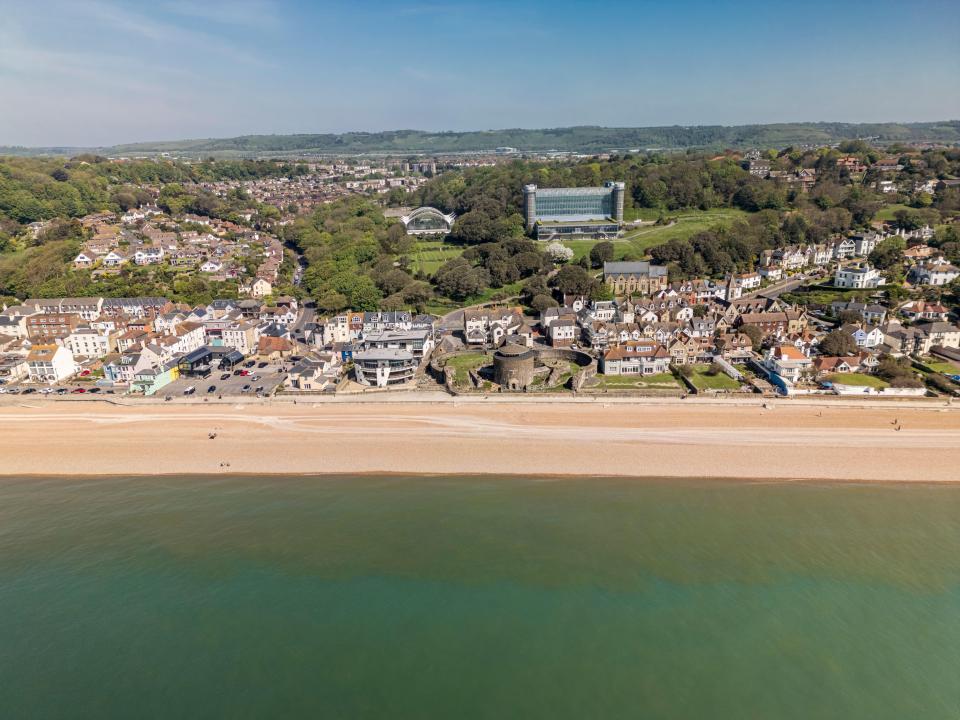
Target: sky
[104,72]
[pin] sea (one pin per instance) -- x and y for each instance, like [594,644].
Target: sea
[477,597]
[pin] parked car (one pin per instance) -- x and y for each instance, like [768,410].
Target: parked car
[62,391]
[259,389]
[190,390]
[77,391]
[94,390]
[29,391]
[245,388]
[212,388]
[225,376]
[250,364]
[262,365]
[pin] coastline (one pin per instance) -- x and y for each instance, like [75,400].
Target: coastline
[696,438]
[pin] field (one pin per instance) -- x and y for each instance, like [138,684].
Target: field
[636,243]
[428,255]
[702,380]
[857,379]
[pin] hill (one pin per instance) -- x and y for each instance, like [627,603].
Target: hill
[583,139]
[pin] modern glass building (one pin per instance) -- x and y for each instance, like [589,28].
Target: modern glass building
[584,211]
[428,221]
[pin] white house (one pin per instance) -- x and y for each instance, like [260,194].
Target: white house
[935,272]
[788,362]
[859,276]
[50,364]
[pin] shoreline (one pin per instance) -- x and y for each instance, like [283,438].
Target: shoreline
[790,441]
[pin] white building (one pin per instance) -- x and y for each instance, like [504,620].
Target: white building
[383,368]
[50,364]
[858,277]
[935,272]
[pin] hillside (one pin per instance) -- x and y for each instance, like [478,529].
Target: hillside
[572,139]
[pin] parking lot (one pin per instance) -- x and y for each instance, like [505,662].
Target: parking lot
[229,382]
[269,378]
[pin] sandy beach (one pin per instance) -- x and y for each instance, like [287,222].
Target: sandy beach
[667,439]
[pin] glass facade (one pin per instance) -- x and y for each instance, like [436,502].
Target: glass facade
[574,203]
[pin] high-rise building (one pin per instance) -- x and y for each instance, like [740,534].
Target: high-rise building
[595,212]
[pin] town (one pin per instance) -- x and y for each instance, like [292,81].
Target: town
[830,272]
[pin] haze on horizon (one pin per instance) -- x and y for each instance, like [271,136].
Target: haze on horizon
[104,72]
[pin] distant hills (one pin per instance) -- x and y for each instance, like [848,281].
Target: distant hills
[582,139]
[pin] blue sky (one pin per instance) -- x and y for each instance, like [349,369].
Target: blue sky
[94,72]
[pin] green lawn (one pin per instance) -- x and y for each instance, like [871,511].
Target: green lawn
[428,255]
[663,381]
[635,243]
[857,379]
[463,364]
[887,211]
[941,366]
[704,381]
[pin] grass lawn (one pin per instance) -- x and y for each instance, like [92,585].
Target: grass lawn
[428,255]
[703,381]
[857,379]
[637,242]
[941,366]
[887,211]
[663,381]
[463,364]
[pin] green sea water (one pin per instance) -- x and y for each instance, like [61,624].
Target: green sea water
[299,597]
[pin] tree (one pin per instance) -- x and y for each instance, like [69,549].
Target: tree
[573,280]
[559,253]
[542,302]
[888,253]
[458,279]
[754,333]
[838,343]
[601,253]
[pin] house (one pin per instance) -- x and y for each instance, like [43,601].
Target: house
[636,358]
[211,266]
[934,272]
[788,362]
[149,380]
[148,256]
[274,348]
[418,343]
[13,366]
[864,243]
[920,338]
[771,273]
[87,342]
[873,313]
[844,249]
[864,336]
[259,288]
[563,332]
[629,278]
[50,364]
[114,259]
[859,276]
[84,260]
[490,325]
[923,310]
[384,367]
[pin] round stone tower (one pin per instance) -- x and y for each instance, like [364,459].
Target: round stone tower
[513,367]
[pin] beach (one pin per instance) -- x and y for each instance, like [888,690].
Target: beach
[780,440]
